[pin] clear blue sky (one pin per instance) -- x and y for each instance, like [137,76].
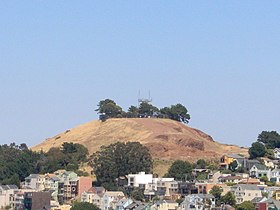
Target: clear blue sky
[221,59]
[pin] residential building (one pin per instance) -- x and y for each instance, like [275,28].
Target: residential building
[7,193]
[275,175]
[165,205]
[37,200]
[228,159]
[230,179]
[84,183]
[110,199]
[204,188]
[259,170]
[246,192]
[198,202]
[186,188]
[269,163]
[123,203]
[277,153]
[35,181]
[277,195]
[139,180]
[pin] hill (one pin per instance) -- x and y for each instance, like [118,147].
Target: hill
[166,139]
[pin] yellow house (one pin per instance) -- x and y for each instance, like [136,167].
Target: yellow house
[277,195]
[228,159]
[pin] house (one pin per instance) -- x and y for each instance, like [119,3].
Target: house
[37,200]
[35,181]
[269,204]
[139,180]
[7,193]
[248,164]
[165,205]
[166,188]
[204,188]
[110,199]
[246,192]
[269,163]
[138,205]
[250,180]
[198,202]
[276,153]
[230,179]
[186,188]
[93,195]
[228,159]
[259,170]
[84,183]
[277,195]
[123,203]
[275,175]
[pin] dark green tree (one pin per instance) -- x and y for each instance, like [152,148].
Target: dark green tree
[137,194]
[271,139]
[146,109]
[179,113]
[120,159]
[228,198]
[84,206]
[176,112]
[16,163]
[246,205]
[257,150]
[109,108]
[180,170]
[216,191]
[233,166]
[201,164]
[133,112]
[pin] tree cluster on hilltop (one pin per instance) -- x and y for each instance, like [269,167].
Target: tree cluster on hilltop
[109,109]
[266,142]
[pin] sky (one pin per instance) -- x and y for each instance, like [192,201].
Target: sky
[58,59]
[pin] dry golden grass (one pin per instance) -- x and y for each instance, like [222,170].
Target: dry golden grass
[167,140]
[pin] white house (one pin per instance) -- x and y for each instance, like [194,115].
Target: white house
[277,153]
[275,175]
[259,170]
[246,192]
[7,193]
[35,181]
[139,180]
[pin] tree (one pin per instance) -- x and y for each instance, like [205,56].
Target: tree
[180,170]
[176,112]
[133,112]
[84,206]
[216,191]
[201,164]
[146,109]
[109,108]
[228,198]
[271,139]
[120,159]
[137,194]
[246,205]
[257,150]
[233,166]
[179,113]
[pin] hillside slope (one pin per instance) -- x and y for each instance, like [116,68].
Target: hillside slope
[166,139]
